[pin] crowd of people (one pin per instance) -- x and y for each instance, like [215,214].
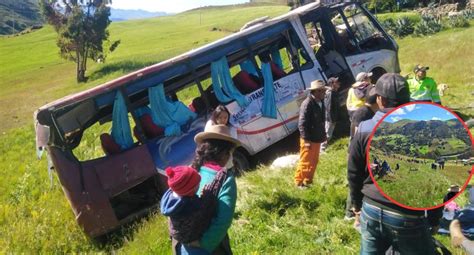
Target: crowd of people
[201,199]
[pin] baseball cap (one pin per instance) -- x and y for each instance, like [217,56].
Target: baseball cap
[393,86]
[420,68]
[363,75]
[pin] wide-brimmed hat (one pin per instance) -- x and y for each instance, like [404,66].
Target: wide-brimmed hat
[218,132]
[454,188]
[317,84]
[420,68]
[363,75]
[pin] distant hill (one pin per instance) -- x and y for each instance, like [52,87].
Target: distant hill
[422,138]
[17,15]
[119,14]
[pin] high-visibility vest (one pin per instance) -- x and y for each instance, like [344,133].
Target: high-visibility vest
[353,103]
[423,90]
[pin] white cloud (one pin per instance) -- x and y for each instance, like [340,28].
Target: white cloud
[410,108]
[399,111]
[395,119]
[435,118]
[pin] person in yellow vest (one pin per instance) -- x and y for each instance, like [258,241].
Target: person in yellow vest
[356,95]
[423,88]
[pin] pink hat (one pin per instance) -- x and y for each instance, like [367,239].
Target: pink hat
[183,180]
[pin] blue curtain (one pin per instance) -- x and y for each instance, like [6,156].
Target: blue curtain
[167,114]
[269,106]
[160,111]
[120,124]
[220,74]
[249,67]
[276,58]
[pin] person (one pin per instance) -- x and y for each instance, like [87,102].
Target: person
[423,88]
[189,215]
[462,227]
[214,148]
[331,104]
[221,116]
[312,133]
[368,110]
[383,223]
[356,96]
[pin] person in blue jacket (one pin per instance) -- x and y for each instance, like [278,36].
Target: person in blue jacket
[215,146]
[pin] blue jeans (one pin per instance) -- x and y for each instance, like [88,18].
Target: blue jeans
[381,229]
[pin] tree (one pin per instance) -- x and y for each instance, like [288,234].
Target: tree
[82,30]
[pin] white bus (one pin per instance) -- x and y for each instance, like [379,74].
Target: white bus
[259,73]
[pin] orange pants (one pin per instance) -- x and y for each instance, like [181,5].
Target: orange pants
[309,157]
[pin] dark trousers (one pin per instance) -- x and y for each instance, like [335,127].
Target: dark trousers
[222,249]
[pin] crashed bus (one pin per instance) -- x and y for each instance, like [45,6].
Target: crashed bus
[260,73]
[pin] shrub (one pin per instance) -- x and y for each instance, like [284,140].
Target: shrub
[404,26]
[457,21]
[428,25]
[468,14]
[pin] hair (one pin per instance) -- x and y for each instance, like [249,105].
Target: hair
[219,109]
[211,150]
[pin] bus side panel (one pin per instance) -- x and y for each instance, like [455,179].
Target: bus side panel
[386,59]
[90,204]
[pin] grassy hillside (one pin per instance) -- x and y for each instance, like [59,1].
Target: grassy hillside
[272,216]
[17,15]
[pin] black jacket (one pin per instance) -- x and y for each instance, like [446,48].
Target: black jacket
[332,105]
[361,185]
[311,121]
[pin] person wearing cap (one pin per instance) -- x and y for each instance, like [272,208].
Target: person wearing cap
[331,104]
[423,88]
[356,96]
[382,222]
[368,110]
[215,146]
[312,133]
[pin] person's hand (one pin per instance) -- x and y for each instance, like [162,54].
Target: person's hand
[307,144]
[456,235]
[356,219]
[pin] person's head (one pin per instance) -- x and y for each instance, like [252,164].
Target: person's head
[392,91]
[334,83]
[420,71]
[220,116]
[214,144]
[363,77]
[183,180]
[317,89]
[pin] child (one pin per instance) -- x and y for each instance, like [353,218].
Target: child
[189,214]
[221,116]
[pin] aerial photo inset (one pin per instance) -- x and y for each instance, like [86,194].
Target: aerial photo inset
[421,155]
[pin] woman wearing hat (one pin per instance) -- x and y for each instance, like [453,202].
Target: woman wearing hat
[215,146]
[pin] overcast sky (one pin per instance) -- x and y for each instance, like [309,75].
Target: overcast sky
[172,6]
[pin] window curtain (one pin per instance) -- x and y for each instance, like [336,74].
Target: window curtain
[276,58]
[166,114]
[249,67]
[223,85]
[120,124]
[269,105]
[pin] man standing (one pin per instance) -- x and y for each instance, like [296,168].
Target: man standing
[312,133]
[356,96]
[331,103]
[423,88]
[383,223]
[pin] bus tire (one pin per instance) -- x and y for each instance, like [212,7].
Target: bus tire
[241,162]
[377,73]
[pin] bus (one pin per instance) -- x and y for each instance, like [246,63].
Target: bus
[259,73]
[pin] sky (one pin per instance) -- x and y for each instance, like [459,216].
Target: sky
[170,6]
[419,112]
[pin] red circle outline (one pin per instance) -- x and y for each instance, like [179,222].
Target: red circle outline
[367,155]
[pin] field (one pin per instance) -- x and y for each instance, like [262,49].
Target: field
[272,216]
[416,184]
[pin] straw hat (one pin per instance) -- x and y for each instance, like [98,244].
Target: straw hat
[219,132]
[317,84]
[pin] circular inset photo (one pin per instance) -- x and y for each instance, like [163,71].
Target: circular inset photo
[420,156]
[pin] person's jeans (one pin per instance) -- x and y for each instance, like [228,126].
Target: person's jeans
[329,126]
[381,229]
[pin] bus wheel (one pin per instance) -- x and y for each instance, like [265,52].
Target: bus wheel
[241,162]
[377,73]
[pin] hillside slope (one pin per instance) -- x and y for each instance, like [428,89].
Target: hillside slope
[17,15]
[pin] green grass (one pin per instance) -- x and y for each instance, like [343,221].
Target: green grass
[413,16]
[421,188]
[272,216]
